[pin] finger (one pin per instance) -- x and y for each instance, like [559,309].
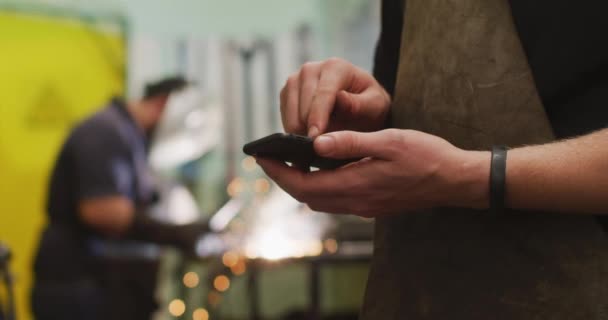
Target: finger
[356,204]
[303,185]
[330,205]
[319,195]
[290,116]
[309,79]
[362,104]
[280,173]
[335,77]
[340,206]
[350,144]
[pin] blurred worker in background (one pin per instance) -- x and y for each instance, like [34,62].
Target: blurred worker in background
[98,257]
[455,79]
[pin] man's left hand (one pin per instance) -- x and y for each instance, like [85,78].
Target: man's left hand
[401,171]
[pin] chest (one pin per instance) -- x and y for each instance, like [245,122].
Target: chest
[463,75]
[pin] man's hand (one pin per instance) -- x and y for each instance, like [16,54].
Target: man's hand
[116,216]
[402,170]
[332,95]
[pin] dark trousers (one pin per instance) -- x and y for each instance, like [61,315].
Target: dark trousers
[79,299]
[119,290]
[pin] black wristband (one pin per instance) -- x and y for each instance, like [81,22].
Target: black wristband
[498,171]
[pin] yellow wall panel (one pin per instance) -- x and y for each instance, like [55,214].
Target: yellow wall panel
[54,70]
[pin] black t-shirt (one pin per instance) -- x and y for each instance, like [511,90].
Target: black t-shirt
[97,159]
[565,46]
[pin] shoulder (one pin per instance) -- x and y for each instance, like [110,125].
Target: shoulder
[97,131]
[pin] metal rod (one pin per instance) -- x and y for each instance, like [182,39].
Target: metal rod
[315,291]
[247,59]
[252,287]
[273,101]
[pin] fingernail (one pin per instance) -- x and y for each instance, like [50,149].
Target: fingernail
[313,132]
[325,144]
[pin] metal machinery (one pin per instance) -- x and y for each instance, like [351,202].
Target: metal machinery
[7,308]
[259,229]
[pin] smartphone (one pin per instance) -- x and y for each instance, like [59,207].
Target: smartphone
[292,148]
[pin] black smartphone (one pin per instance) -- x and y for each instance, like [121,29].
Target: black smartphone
[292,148]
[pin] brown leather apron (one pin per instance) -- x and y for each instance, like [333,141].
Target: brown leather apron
[463,76]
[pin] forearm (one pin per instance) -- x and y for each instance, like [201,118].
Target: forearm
[109,215]
[117,216]
[567,176]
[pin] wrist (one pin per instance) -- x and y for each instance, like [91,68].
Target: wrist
[473,188]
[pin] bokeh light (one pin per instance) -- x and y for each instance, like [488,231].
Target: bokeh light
[249,164]
[200,314]
[191,279]
[331,245]
[240,268]
[236,187]
[221,283]
[214,298]
[177,308]
[261,185]
[230,259]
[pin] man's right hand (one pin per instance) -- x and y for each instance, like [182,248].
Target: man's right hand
[332,95]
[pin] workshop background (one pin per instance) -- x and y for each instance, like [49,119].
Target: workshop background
[61,60]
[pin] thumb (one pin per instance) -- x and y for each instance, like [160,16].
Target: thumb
[351,144]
